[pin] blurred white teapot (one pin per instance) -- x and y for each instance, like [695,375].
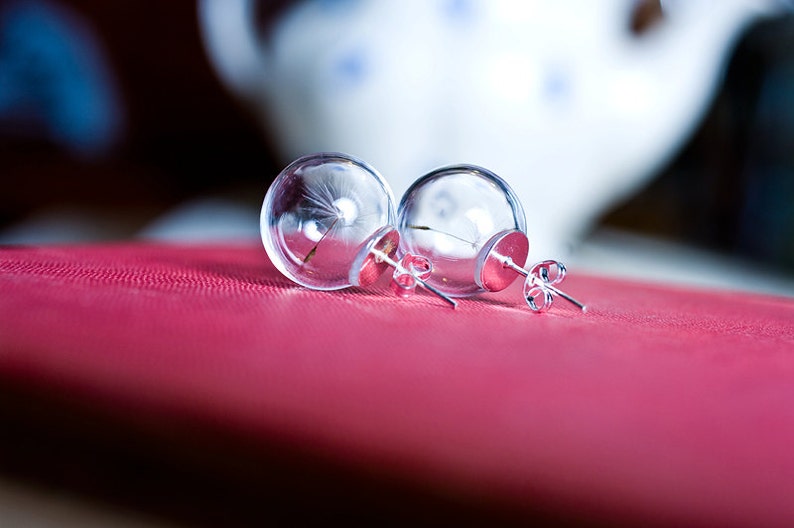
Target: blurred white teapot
[559,98]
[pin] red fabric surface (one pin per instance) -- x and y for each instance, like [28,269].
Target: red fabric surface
[659,404]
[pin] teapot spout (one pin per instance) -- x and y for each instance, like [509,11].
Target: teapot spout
[667,79]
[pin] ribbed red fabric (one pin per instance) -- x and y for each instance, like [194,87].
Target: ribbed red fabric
[660,403]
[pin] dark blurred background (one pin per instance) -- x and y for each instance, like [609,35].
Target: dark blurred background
[163,130]
[111,115]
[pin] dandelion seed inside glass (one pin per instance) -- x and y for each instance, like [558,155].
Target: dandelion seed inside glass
[319,214]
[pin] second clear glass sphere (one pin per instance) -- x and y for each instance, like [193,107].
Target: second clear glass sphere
[449,215]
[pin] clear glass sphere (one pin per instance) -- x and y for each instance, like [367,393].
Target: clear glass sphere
[449,215]
[319,218]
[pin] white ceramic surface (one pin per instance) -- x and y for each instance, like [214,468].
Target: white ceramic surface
[557,97]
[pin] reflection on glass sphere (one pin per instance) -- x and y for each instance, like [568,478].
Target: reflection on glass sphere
[448,216]
[318,216]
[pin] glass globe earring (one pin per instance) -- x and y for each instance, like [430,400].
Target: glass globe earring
[470,224]
[328,222]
